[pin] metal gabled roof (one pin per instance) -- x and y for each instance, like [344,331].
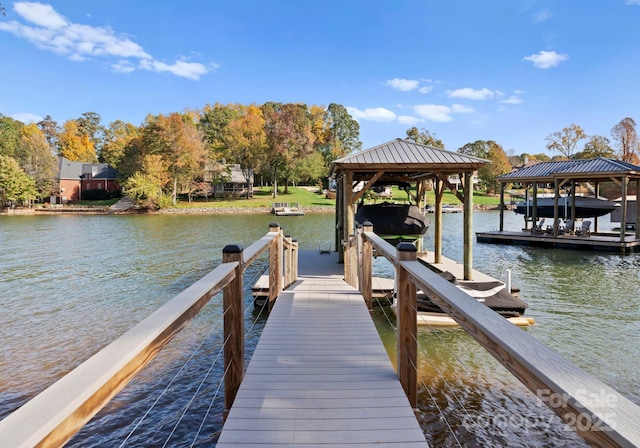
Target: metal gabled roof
[401,155]
[600,167]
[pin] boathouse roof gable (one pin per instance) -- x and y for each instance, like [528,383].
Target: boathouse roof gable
[583,169]
[404,155]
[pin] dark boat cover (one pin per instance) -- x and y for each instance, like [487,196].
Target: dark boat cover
[393,219]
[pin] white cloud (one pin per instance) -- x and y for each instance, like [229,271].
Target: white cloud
[632,2]
[434,112]
[541,16]
[546,59]
[40,14]
[378,114]
[518,92]
[409,120]
[404,85]
[513,99]
[425,89]
[50,31]
[461,109]
[472,94]
[27,117]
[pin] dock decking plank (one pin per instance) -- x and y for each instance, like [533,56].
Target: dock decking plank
[320,375]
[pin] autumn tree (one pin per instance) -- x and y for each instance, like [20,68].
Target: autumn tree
[626,139]
[180,143]
[74,145]
[289,136]
[35,158]
[116,138]
[489,150]
[596,146]
[424,137]
[247,141]
[344,132]
[566,140]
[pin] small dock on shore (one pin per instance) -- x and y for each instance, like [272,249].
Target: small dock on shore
[287,209]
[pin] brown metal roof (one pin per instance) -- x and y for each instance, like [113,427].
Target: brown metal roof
[587,169]
[408,158]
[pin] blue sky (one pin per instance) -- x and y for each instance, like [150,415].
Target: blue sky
[512,71]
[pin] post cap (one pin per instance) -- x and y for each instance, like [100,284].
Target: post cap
[232,249]
[274,224]
[406,247]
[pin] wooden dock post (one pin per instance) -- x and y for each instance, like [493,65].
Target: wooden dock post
[233,306]
[365,263]
[294,261]
[407,324]
[275,265]
[288,250]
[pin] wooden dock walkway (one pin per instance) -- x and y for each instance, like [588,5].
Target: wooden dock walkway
[320,375]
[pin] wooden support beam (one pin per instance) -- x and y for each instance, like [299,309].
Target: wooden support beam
[367,186]
[275,264]
[468,226]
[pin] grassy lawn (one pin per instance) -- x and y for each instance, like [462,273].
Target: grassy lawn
[262,197]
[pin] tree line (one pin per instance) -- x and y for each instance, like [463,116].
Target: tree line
[180,153]
[282,143]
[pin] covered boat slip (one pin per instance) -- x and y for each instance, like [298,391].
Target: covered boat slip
[560,224]
[404,162]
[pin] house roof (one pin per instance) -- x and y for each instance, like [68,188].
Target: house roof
[583,169]
[406,158]
[74,170]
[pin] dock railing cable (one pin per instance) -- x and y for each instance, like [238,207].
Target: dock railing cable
[52,417]
[601,415]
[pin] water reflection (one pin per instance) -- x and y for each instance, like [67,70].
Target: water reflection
[71,284]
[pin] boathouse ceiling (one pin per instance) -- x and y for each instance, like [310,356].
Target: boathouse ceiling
[404,161]
[588,170]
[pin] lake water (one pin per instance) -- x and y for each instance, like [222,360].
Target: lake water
[72,284]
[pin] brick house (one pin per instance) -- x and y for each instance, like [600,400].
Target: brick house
[77,177]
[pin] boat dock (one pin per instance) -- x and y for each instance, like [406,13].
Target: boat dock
[596,241]
[320,374]
[287,209]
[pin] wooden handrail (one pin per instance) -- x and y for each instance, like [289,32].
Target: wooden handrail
[56,414]
[597,412]
[51,418]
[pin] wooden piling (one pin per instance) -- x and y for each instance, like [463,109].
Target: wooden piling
[406,313]
[233,306]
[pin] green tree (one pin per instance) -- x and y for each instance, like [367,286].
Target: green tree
[565,141]
[213,123]
[626,138]
[490,150]
[596,146]
[89,125]
[16,187]
[9,135]
[51,131]
[424,137]
[144,188]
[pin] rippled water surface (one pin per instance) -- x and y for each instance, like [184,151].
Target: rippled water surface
[72,284]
